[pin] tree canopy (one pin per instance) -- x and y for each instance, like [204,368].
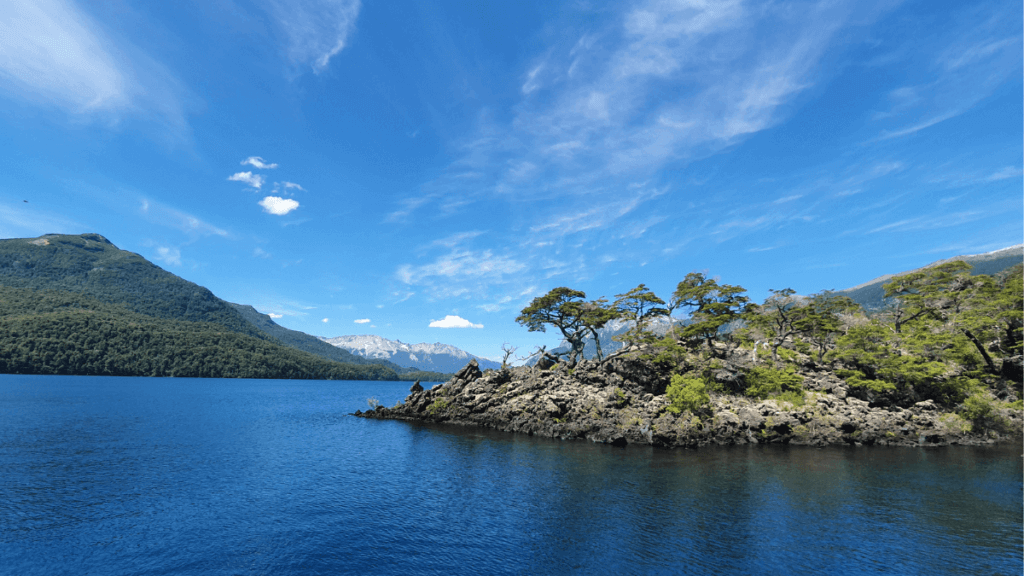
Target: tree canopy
[570,312]
[710,306]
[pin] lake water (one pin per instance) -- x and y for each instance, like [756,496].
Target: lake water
[239,477]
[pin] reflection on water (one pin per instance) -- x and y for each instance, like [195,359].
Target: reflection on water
[135,476]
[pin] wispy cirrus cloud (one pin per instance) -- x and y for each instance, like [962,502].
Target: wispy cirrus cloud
[315,30]
[958,69]
[19,219]
[164,215]
[52,53]
[664,84]
[461,272]
[930,222]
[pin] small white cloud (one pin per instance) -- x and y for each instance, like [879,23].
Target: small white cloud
[278,206]
[253,180]
[170,256]
[292,185]
[257,162]
[260,253]
[362,321]
[272,315]
[326,320]
[454,322]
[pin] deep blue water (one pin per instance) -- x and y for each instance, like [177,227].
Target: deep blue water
[239,477]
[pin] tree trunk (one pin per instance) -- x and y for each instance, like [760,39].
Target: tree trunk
[984,353]
[597,344]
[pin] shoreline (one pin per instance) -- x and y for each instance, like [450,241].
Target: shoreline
[616,402]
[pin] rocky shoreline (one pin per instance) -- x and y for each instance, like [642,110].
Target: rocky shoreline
[622,401]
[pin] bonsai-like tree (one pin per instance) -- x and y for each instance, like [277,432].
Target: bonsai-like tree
[639,306]
[567,310]
[710,306]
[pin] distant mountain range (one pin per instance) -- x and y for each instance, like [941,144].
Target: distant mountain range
[434,357]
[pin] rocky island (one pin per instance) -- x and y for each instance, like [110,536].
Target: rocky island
[622,400]
[938,362]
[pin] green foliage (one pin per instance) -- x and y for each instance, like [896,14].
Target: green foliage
[822,322]
[763,382]
[956,422]
[91,266]
[687,393]
[620,397]
[373,402]
[710,305]
[977,407]
[795,397]
[438,405]
[801,346]
[787,355]
[857,379]
[425,376]
[566,309]
[667,352]
[639,306]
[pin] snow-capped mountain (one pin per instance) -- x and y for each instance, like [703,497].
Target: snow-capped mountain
[436,357]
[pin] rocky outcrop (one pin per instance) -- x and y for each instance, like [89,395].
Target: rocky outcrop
[622,401]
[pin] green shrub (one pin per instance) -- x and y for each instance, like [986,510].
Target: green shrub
[787,355]
[620,397]
[686,393]
[438,405]
[795,397]
[802,347]
[763,382]
[857,379]
[667,351]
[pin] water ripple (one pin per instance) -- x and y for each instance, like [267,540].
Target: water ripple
[145,476]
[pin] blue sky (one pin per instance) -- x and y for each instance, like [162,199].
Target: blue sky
[375,168]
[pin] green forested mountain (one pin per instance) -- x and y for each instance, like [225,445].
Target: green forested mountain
[79,305]
[89,264]
[60,332]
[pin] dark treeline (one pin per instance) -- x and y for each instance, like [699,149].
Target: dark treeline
[59,332]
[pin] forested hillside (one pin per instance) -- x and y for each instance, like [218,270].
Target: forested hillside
[61,332]
[89,264]
[79,305]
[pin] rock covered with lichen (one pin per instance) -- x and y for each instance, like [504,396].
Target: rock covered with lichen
[622,400]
